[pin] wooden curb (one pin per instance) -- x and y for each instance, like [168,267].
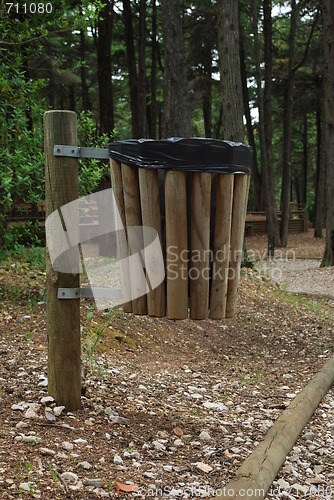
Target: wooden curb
[256,474]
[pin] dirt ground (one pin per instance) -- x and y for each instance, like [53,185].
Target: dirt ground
[171,408]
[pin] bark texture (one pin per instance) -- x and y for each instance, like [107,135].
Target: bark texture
[229,65]
[177,119]
[328,33]
[106,105]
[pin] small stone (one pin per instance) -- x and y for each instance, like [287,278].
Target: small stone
[283,484]
[76,487]
[195,443]
[178,431]
[178,442]
[84,465]
[47,399]
[32,439]
[43,383]
[67,446]
[309,436]
[47,452]
[19,407]
[49,415]
[57,410]
[204,467]
[300,488]
[21,425]
[118,420]
[80,441]
[159,446]
[216,406]
[30,487]
[196,395]
[96,483]
[318,469]
[150,475]
[109,411]
[118,460]
[69,477]
[204,436]
[167,468]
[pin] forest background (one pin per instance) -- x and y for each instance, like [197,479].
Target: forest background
[112,62]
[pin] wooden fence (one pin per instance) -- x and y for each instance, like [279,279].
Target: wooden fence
[256,222]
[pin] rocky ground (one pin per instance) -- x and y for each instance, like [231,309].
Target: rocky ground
[171,409]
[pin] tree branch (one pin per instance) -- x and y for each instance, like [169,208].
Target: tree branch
[35,38]
[301,62]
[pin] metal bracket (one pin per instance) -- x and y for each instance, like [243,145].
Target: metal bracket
[77,152]
[89,293]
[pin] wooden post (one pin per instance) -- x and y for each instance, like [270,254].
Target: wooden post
[151,217]
[121,238]
[63,316]
[259,470]
[136,245]
[221,248]
[240,195]
[177,254]
[199,272]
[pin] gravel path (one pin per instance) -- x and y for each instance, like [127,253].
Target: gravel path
[304,276]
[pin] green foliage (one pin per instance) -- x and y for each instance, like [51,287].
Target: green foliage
[90,171]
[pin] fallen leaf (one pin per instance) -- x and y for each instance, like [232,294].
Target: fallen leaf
[126,488]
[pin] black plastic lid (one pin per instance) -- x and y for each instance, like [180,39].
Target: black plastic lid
[195,155]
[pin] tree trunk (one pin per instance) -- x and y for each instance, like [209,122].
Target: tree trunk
[153,105]
[207,91]
[104,72]
[267,31]
[229,65]
[328,36]
[71,97]
[256,177]
[177,119]
[141,99]
[84,87]
[303,193]
[262,136]
[232,114]
[320,177]
[287,130]
[132,68]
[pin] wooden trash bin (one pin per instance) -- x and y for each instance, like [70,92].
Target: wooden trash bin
[193,193]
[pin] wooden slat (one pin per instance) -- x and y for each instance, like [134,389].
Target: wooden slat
[199,272]
[121,236]
[136,244]
[240,195]
[176,244]
[151,217]
[221,248]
